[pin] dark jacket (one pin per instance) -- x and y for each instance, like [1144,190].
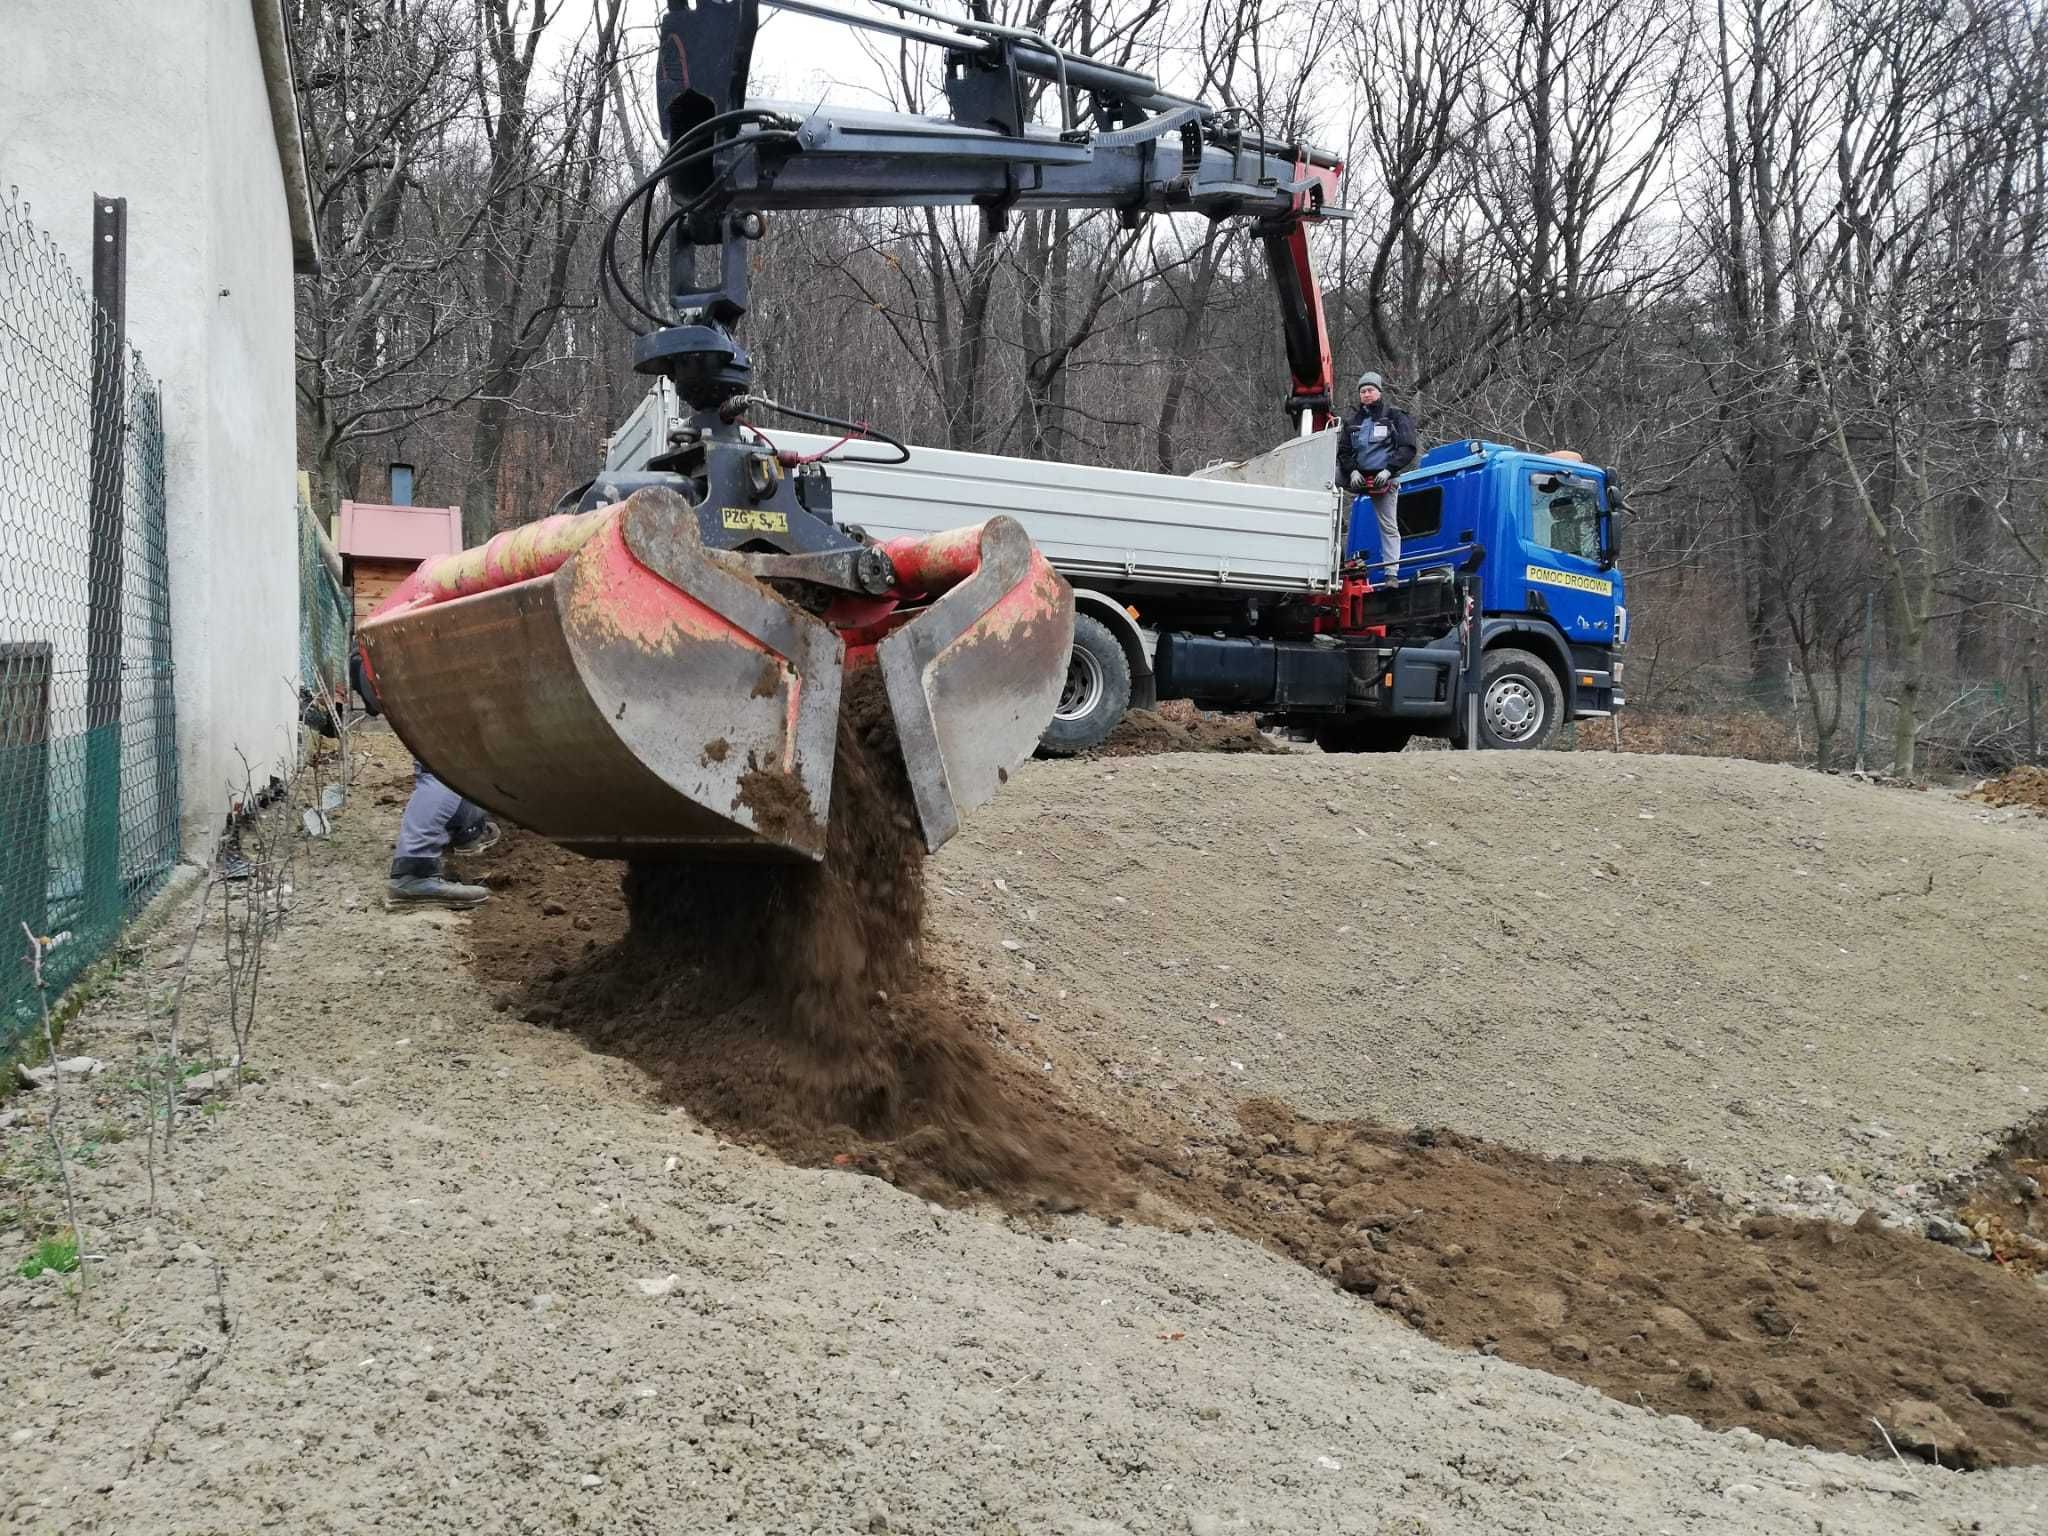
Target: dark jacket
[1400,450]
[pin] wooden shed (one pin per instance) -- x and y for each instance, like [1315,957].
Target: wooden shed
[380,545]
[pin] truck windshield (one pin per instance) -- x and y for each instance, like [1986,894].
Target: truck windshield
[1564,514]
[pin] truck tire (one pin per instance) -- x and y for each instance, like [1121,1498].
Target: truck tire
[1096,693]
[1521,703]
[1362,735]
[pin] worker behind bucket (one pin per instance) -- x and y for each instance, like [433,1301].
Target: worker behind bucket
[436,822]
[1377,443]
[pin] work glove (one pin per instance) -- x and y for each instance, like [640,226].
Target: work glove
[1381,482]
[1357,481]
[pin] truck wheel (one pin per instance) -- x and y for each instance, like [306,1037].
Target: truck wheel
[1362,736]
[1520,701]
[1096,694]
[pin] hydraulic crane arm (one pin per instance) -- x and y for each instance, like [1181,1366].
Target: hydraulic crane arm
[1137,150]
[1313,401]
[659,675]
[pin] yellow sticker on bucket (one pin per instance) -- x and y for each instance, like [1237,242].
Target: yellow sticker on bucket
[753,520]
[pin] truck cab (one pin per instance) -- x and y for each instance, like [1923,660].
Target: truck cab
[1550,586]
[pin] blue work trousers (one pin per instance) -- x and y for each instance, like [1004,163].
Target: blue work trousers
[434,817]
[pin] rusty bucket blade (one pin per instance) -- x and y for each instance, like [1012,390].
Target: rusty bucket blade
[973,679]
[640,700]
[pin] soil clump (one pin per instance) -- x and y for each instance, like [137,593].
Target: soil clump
[2025,787]
[2004,1204]
[1150,732]
[788,1004]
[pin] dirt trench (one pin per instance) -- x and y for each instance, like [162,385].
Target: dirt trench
[793,1008]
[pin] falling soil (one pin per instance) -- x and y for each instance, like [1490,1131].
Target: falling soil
[787,1004]
[2026,787]
[1147,733]
[1628,1280]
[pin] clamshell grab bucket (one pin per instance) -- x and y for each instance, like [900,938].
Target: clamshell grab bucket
[609,683]
[974,678]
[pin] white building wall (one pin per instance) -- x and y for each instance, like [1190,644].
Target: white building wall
[164,104]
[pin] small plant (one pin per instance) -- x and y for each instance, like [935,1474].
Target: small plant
[52,1253]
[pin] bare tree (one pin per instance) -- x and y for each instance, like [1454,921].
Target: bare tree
[380,97]
[539,179]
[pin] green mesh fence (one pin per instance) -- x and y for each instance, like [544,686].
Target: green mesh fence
[323,611]
[88,751]
[1966,725]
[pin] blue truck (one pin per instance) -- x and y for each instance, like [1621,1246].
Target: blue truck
[1533,539]
[1505,618]
[1257,585]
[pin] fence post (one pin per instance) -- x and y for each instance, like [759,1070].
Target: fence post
[109,410]
[2033,715]
[1863,693]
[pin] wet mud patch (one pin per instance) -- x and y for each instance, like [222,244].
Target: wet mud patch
[1631,1281]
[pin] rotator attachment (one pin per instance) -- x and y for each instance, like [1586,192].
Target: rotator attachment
[611,683]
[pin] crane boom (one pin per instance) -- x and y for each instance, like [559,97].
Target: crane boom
[659,674]
[1140,151]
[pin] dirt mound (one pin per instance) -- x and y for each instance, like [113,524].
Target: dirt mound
[1763,971]
[788,1004]
[791,1007]
[1149,732]
[2026,787]
[1627,1279]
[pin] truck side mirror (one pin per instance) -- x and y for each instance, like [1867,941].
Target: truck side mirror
[1610,526]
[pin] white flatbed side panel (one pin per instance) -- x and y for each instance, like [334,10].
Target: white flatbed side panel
[1091,523]
[1306,463]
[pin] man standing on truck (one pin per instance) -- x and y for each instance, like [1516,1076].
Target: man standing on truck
[1377,443]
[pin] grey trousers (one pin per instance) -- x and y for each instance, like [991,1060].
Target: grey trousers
[1390,530]
[434,817]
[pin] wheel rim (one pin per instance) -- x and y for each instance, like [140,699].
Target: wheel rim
[1514,709]
[1083,690]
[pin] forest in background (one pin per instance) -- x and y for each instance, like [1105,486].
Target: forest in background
[1778,263]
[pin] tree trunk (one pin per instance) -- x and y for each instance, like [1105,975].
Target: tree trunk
[1194,309]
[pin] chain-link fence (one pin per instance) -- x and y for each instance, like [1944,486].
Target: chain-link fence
[88,752]
[324,617]
[1967,726]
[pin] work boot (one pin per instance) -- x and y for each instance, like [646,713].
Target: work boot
[486,836]
[402,891]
